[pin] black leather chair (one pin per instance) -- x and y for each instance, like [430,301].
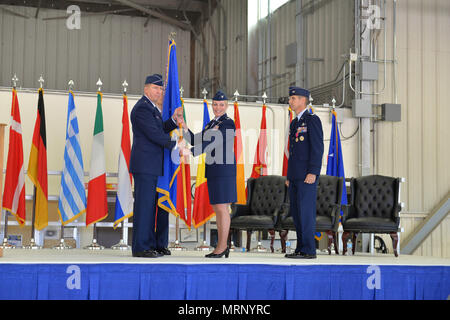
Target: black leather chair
[328,208]
[374,208]
[266,195]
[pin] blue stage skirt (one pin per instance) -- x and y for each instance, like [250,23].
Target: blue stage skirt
[222,190]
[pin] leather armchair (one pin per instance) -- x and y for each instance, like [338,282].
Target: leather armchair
[374,208]
[266,195]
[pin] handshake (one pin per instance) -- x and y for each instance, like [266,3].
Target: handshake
[179,119]
[184,150]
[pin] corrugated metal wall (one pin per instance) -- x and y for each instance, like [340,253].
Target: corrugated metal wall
[225,65]
[329,35]
[283,33]
[112,47]
[418,148]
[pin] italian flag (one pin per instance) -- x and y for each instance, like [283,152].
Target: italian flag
[97,205]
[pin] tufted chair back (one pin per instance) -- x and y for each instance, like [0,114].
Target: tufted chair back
[374,196]
[266,194]
[329,193]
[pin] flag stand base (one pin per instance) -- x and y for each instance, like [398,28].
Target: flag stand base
[62,245]
[203,247]
[177,247]
[6,245]
[259,248]
[94,246]
[232,246]
[121,246]
[33,245]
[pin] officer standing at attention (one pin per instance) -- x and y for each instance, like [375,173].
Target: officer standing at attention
[150,137]
[305,161]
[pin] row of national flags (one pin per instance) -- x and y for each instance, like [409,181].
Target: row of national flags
[174,192]
[72,198]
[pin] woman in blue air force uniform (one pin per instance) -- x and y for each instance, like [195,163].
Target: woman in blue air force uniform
[217,141]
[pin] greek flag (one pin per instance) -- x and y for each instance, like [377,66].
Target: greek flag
[72,197]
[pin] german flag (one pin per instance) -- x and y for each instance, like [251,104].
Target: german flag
[37,166]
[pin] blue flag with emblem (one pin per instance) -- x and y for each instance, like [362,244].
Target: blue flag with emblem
[335,164]
[167,184]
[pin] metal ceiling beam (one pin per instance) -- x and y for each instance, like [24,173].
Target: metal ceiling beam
[194,5]
[38,8]
[92,14]
[155,14]
[15,13]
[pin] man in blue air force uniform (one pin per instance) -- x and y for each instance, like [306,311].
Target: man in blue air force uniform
[305,162]
[150,137]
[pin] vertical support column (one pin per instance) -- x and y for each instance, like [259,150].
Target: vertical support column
[363,90]
[367,87]
[299,69]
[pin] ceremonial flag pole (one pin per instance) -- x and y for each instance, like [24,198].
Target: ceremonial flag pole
[170,192]
[239,153]
[286,145]
[72,196]
[14,193]
[2,137]
[203,211]
[184,210]
[37,171]
[240,166]
[284,233]
[97,206]
[124,198]
[335,166]
[260,163]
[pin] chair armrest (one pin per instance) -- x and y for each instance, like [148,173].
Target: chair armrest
[345,208]
[396,213]
[238,210]
[284,211]
[335,214]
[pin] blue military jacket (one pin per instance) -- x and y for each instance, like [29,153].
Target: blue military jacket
[150,137]
[305,146]
[217,141]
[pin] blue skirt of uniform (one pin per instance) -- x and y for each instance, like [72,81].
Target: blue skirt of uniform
[222,190]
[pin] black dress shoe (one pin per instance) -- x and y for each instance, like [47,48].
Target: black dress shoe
[147,254]
[164,251]
[307,256]
[226,253]
[293,255]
